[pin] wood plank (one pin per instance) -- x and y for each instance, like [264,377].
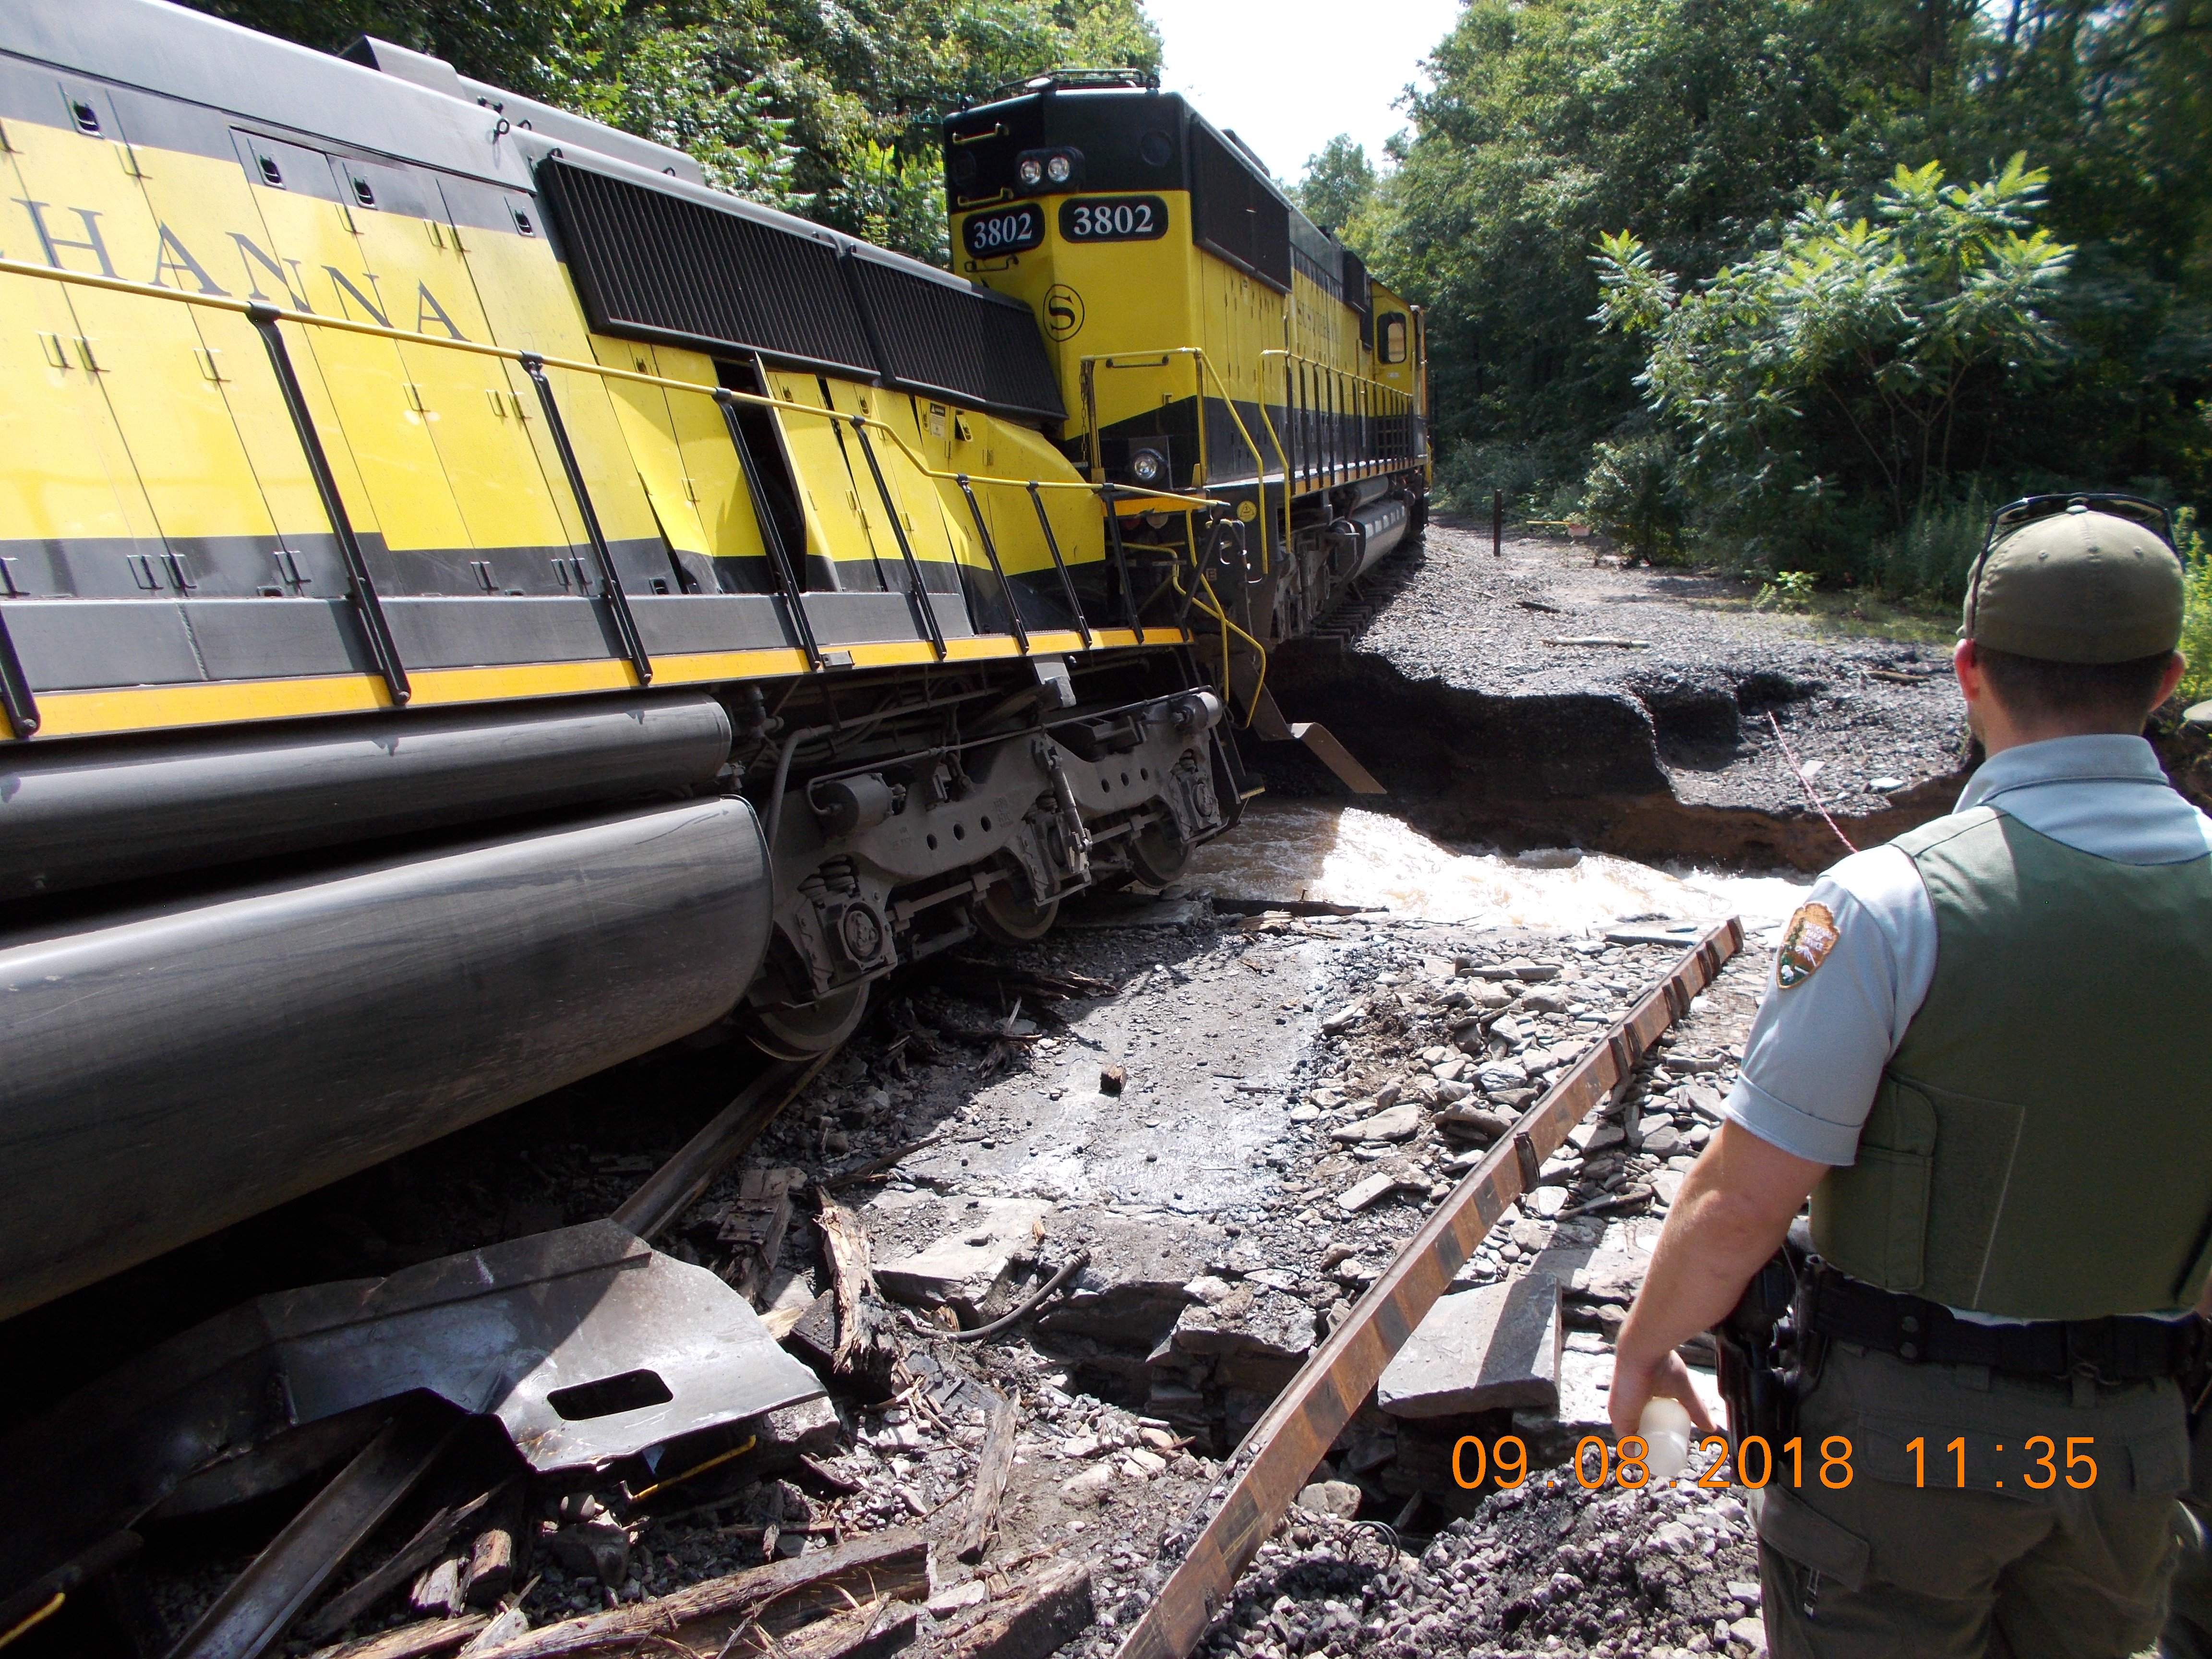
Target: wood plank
[781,1596]
[847,1241]
[866,1632]
[993,1464]
[422,1640]
[1044,1618]
[427,1544]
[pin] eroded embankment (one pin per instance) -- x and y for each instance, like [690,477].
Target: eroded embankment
[1596,767]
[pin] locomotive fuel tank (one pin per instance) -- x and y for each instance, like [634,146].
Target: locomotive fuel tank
[80,814]
[180,1064]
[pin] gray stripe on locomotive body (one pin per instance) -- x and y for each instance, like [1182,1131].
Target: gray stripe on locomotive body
[247,566]
[89,644]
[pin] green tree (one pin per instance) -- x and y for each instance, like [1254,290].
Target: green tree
[1844,363]
[1702,125]
[540,48]
[680,86]
[2197,617]
[1337,185]
[829,109]
[1696,123]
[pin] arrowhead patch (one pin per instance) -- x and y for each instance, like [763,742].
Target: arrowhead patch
[1806,943]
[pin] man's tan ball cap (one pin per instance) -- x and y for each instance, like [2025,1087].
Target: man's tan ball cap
[2078,586]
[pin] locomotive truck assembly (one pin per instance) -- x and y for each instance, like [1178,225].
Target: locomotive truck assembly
[477,604]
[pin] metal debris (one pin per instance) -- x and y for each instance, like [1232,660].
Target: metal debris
[586,1344]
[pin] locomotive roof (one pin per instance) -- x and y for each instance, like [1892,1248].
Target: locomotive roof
[381,100]
[1132,100]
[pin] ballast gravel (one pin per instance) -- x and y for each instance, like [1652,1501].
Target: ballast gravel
[1547,1568]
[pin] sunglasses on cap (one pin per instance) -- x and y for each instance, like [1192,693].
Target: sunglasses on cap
[2135,509]
[2029,508]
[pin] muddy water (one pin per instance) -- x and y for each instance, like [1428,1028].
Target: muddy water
[1340,855]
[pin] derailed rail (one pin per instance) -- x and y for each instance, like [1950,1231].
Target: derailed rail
[1285,1445]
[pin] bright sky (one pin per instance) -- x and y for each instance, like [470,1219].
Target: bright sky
[1290,75]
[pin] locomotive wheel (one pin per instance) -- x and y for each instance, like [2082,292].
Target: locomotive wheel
[1156,859]
[1008,918]
[802,1033]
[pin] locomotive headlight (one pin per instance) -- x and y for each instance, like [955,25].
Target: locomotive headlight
[1058,168]
[1146,466]
[1031,171]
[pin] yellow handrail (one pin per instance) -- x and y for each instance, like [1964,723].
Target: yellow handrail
[1405,405]
[1260,463]
[1344,373]
[1164,355]
[508,354]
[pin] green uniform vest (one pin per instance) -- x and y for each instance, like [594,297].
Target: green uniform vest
[2040,1146]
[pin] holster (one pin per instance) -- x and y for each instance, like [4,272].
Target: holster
[1769,1358]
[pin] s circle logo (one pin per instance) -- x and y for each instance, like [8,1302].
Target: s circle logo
[1063,312]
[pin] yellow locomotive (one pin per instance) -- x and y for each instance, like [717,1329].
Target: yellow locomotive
[477,604]
[1210,337]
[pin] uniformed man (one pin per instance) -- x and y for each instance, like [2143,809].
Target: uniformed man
[1982,1058]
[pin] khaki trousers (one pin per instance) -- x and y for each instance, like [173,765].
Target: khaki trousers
[1885,1566]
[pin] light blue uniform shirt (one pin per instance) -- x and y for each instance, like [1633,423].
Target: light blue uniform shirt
[1817,1049]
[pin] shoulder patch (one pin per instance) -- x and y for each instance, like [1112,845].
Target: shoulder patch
[1806,943]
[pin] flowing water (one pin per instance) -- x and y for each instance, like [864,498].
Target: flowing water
[1339,854]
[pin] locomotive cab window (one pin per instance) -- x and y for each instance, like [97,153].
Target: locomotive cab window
[1391,343]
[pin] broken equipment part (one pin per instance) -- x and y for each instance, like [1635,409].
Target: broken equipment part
[587,1346]
[1335,757]
[1267,720]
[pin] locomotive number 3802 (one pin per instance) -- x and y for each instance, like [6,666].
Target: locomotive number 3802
[1112,219]
[1015,230]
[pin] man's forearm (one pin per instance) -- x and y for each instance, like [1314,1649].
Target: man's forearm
[1732,1213]
[1713,1242]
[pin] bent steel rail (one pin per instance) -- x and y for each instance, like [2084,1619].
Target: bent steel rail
[1286,1443]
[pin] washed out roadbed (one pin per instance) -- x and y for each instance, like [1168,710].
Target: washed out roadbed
[1560,693]
[1295,1095]
[1221,1125]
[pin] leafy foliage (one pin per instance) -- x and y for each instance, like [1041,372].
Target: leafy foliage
[1633,493]
[2197,619]
[1713,134]
[1933,555]
[1338,184]
[1843,363]
[830,110]
[1789,591]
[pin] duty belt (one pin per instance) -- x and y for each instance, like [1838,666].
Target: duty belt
[2120,1349]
